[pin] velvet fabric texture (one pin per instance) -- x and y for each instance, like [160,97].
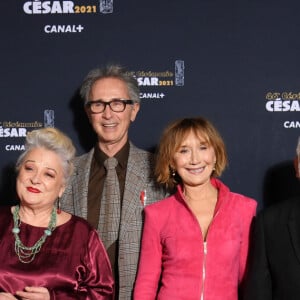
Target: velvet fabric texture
[173,264]
[72,263]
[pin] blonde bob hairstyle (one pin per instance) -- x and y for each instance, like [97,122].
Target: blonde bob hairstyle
[54,140]
[172,138]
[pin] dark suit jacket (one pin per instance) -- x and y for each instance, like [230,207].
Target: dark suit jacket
[274,266]
[139,177]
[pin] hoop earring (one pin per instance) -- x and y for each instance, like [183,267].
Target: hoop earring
[58,209]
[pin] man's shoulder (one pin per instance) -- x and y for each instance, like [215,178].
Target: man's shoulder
[136,153]
[282,210]
[86,157]
[135,149]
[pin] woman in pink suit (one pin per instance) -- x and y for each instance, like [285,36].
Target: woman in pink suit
[195,242]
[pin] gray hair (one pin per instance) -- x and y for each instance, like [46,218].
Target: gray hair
[54,140]
[110,71]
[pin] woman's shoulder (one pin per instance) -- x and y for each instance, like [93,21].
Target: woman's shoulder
[79,225]
[5,211]
[162,204]
[246,200]
[234,197]
[5,208]
[243,204]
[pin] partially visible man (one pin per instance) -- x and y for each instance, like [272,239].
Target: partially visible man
[274,266]
[111,101]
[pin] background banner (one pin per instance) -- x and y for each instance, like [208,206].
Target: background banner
[233,62]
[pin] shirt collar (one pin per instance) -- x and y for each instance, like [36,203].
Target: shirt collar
[121,156]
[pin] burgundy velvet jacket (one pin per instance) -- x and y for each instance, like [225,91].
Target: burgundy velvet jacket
[175,262]
[72,263]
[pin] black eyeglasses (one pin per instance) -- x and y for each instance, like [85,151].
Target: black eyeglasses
[116,105]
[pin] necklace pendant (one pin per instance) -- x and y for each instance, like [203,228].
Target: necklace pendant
[48,232]
[16,230]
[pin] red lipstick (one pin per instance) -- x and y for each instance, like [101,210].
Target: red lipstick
[33,190]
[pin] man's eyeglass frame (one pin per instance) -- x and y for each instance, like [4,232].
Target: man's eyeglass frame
[124,102]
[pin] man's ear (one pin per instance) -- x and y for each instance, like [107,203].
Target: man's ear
[134,111]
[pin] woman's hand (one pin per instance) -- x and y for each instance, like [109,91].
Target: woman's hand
[6,296]
[33,293]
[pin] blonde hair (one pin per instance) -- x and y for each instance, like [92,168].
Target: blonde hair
[54,140]
[172,138]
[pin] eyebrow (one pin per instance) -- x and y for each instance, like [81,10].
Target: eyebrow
[200,142]
[33,161]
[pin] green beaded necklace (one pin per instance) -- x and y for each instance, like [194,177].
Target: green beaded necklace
[27,254]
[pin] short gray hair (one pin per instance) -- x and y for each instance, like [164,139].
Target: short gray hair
[110,71]
[54,140]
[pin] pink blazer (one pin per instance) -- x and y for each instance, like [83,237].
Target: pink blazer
[175,262]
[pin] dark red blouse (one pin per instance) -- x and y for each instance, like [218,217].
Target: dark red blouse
[72,263]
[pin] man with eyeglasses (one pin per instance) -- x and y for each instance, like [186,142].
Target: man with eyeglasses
[111,101]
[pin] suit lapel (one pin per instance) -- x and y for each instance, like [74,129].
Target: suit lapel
[294,226]
[134,184]
[81,184]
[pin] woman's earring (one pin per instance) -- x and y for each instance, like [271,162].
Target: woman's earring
[58,209]
[173,172]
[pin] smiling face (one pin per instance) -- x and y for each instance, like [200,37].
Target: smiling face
[194,160]
[111,127]
[40,179]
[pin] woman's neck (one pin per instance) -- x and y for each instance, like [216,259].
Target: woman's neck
[200,193]
[35,216]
